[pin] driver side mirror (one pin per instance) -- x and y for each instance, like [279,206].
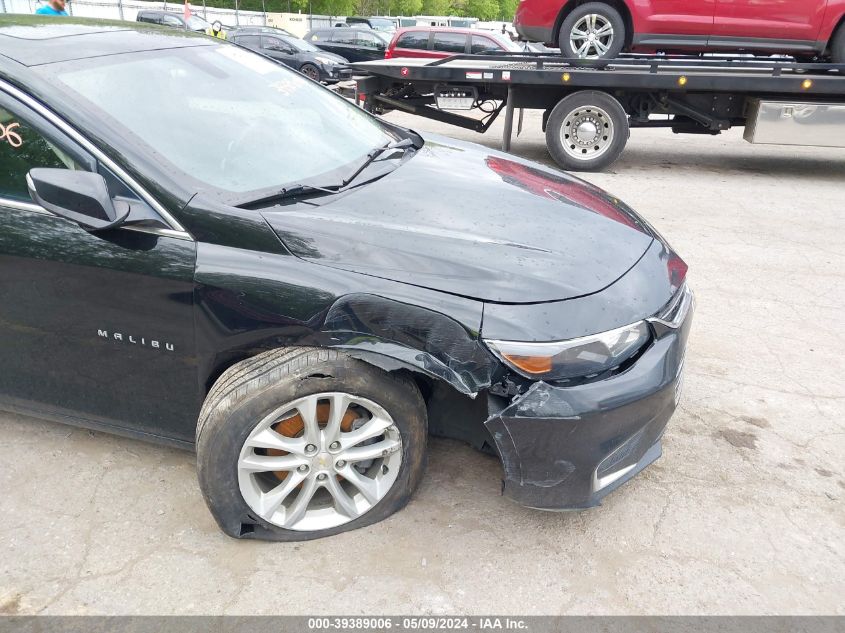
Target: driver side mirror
[80,196]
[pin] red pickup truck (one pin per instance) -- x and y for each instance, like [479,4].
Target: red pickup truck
[605,28]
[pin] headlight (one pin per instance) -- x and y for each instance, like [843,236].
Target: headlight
[574,358]
[325,60]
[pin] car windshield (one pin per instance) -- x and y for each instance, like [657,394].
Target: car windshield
[196,23]
[302,45]
[225,117]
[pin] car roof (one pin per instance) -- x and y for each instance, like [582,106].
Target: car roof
[442,29]
[262,29]
[32,40]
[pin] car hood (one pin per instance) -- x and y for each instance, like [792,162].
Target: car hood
[462,219]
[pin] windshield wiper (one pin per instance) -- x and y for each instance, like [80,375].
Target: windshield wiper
[301,190]
[378,151]
[286,193]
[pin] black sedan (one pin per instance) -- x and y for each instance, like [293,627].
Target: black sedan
[308,292]
[355,44]
[298,54]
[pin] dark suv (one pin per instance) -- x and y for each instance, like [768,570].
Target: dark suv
[175,20]
[355,44]
[302,292]
[387,25]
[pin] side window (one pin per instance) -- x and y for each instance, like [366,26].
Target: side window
[169,20]
[481,44]
[413,39]
[23,147]
[368,40]
[250,41]
[344,37]
[450,42]
[273,44]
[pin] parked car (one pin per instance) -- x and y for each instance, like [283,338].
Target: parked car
[355,44]
[298,54]
[604,29]
[267,30]
[441,41]
[173,19]
[306,293]
[386,25]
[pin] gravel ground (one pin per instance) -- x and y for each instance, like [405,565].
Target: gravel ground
[744,513]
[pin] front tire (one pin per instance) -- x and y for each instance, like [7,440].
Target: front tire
[837,46]
[310,71]
[592,31]
[587,131]
[301,443]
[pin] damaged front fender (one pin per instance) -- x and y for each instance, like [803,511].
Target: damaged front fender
[248,302]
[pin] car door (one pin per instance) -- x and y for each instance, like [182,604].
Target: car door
[370,46]
[94,327]
[279,50]
[664,23]
[761,23]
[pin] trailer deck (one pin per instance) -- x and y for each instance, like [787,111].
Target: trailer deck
[697,95]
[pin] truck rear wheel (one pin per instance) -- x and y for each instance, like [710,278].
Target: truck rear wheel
[587,131]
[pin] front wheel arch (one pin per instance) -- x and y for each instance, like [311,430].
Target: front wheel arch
[836,45]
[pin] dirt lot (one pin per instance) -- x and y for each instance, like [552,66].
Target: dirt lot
[743,514]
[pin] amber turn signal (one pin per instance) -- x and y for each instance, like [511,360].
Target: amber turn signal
[530,364]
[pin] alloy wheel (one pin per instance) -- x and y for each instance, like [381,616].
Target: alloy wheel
[591,37]
[319,461]
[311,72]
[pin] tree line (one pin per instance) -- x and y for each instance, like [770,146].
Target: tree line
[481,9]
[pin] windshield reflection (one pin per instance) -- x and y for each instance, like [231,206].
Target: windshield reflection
[226,118]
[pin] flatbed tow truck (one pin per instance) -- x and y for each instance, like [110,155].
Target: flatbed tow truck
[590,106]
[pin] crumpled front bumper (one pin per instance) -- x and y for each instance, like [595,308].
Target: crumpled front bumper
[567,447]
